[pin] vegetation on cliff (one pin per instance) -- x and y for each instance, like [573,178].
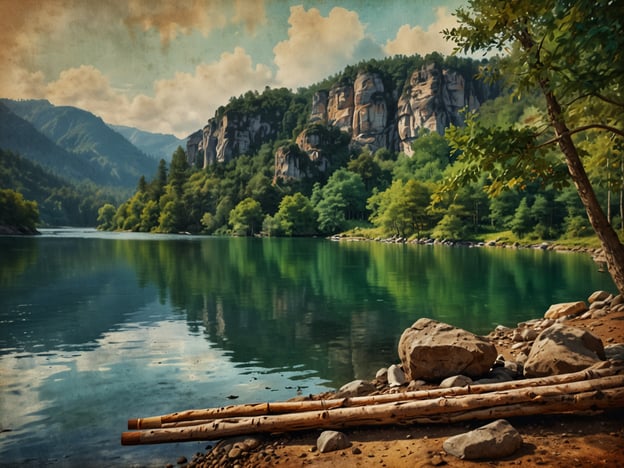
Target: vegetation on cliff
[502,171]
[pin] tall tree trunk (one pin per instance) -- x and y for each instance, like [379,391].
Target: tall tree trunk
[611,245]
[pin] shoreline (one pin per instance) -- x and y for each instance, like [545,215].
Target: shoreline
[582,439]
[596,253]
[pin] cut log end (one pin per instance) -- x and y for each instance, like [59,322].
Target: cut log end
[131,438]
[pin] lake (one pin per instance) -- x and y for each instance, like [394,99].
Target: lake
[96,328]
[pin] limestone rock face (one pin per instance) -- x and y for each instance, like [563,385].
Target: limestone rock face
[495,440]
[365,110]
[340,108]
[432,99]
[232,135]
[432,350]
[561,349]
[289,164]
[296,162]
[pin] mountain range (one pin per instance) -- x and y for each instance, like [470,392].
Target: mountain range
[79,146]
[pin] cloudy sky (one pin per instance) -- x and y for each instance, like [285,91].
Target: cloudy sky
[166,65]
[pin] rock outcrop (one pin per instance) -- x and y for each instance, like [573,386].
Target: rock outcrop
[432,99]
[432,350]
[365,110]
[230,136]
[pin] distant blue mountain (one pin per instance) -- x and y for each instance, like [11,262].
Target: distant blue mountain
[156,145]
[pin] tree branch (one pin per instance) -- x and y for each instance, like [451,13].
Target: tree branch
[607,128]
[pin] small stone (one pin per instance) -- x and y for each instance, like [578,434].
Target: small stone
[356,451]
[330,441]
[456,381]
[182,460]
[396,376]
[495,440]
[598,296]
[234,453]
[355,388]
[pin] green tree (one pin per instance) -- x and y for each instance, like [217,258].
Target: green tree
[572,52]
[157,186]
[402,209]
[450,226]
[178,170]
[295,217]
[106,213]
[246,217]
[368,168]
[522,223]
[342,198]
[149,216]
[17,212]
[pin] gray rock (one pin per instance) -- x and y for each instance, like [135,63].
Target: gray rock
[561,349]
[598,305]
[330,441]
[495,440]
[355,388]
[598,296]
[396,376]
[415,385]
[432,350]
[456,381]
[382,375]
[615,352]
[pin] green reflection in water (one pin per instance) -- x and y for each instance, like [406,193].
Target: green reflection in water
[336,308]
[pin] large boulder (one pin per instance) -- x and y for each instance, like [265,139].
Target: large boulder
[561,349]
[432,350]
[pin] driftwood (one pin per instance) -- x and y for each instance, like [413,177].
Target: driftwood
[599,392]
[199,416]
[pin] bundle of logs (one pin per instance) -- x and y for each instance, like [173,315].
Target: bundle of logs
[596,388]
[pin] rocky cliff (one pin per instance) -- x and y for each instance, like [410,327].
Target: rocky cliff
[370,114]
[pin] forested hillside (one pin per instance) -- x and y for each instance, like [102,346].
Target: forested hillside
[277,182]
[60,203]
[78,140]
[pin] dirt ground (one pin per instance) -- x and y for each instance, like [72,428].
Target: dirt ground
[579,440]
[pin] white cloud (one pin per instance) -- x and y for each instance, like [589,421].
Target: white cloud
[179,105]
[317,46]
[417,40]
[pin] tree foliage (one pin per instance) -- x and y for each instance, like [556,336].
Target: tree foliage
[18,213]
[572,53]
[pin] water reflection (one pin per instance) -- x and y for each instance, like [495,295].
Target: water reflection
[99,327]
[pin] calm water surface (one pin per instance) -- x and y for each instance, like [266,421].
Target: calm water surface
[96,328]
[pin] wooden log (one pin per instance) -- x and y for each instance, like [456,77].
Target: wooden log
[605,392]
[198,416]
